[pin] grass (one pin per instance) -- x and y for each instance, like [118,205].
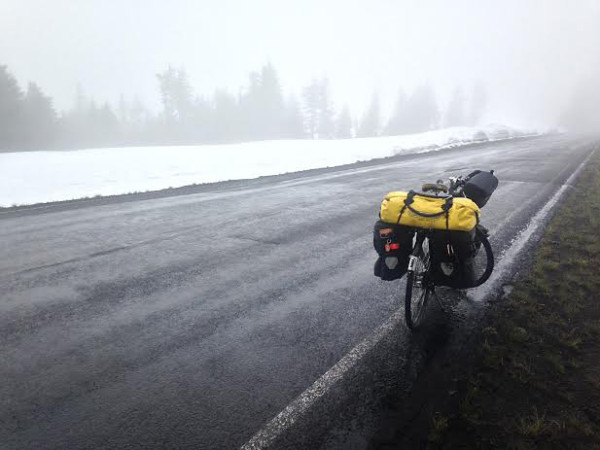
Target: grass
[536,425]
[439,426]
[535,382]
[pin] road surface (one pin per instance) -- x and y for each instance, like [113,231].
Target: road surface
[191,321]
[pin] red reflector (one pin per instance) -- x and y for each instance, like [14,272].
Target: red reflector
[394,246]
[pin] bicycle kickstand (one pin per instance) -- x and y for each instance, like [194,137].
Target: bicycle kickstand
[439,300]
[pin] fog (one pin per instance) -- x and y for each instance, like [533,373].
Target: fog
[529,55]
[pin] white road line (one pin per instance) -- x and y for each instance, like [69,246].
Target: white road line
[510,255]
[286,418]
[298,407]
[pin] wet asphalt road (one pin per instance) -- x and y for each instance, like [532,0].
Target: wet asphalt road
[189,321]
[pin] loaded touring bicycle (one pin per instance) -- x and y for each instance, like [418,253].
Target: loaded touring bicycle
[434,238]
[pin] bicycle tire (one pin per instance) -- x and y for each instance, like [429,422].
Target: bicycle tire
[489,258]
[414,314]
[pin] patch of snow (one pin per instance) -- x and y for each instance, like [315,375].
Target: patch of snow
[48,176]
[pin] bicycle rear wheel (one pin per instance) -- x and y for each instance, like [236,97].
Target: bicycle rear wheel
[418,287]
[483,262]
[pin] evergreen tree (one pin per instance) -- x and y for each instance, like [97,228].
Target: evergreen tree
[262,105]
[176,95]
[249,104]
[319,110]
[11,111]
[456,115]
[326,129]
[138,113]
[106,126]
[310,95]
[90,125]
[293,123]
[355,124]
[225,117]
[133,121]
[344,124]
[422,111]
[123,110]
[398,122]
[478,104]
[370,125]
[271,103]
[202,119]
[40,119]
[75,124]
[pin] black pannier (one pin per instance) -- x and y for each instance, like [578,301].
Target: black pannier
[480,186]
[452,258]
[393,244]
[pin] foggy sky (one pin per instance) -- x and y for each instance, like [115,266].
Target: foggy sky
[529,54]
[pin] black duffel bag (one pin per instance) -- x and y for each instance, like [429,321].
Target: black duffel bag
[393,243]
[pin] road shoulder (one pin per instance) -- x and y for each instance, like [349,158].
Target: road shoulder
[531,379]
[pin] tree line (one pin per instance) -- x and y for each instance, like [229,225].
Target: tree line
[259,111]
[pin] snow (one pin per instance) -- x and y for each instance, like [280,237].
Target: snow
[47,176]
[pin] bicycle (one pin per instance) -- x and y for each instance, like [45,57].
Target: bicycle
[421,280]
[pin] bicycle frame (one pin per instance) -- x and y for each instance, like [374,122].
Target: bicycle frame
[419,273]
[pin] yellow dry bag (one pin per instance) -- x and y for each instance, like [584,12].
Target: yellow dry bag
[428,211]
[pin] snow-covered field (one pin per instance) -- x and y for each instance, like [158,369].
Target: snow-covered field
[48,176]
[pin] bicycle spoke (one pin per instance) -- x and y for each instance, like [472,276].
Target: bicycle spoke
[418,289]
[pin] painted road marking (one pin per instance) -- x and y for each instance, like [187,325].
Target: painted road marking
[510,255]
[286,418]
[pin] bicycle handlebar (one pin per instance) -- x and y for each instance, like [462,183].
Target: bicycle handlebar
[435,187]
[459,182]
[454,186]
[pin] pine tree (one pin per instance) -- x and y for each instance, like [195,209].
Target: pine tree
[344,124]
[176,95]
[262,105]
[271,103]
[249,105]
[12,127]
[293,123]
[371,123]
[398,122]
[310,95]
[478,104]
[422,111]
[319,111]
[225,117]
[40,119]
[202,119]
[326,128]
[133,120]
[90,133]
[75,123]
[89,125]
[456,115]
[107,126]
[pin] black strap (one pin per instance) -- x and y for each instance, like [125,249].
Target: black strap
[410,198]
[400,215]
